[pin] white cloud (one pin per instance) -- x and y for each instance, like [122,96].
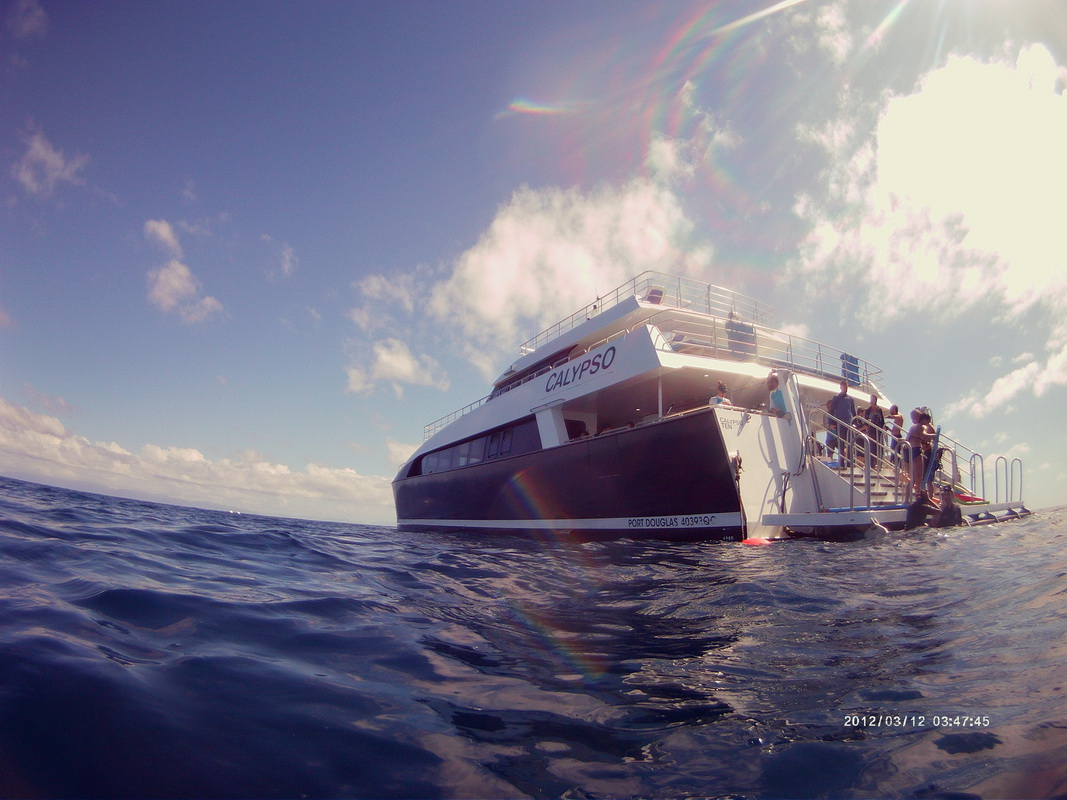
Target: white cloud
[53,405]
[547,253]
[955,199]
[173,286]
[27,19]
[38,447]
[161,232]
[288,259]
[394,288]
[393,362]
[43,167]
[399,452]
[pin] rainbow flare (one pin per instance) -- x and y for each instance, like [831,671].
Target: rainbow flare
[524,106]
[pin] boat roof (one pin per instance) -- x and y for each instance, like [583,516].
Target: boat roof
[691,318]
[630,304]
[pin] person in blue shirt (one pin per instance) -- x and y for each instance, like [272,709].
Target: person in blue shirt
[777,399]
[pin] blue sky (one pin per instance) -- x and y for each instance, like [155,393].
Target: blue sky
[248,249]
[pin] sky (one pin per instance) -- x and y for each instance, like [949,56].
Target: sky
[249,249]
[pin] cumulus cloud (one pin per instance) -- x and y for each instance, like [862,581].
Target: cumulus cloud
[284,257]
[955,201]
[287,257]
[549,252]
[39,447]
[42,167]
[173,287]
[27,19]
[399,452]
[392,362]
[161,232]
[546,254]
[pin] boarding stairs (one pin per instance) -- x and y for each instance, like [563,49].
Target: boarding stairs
[874,484]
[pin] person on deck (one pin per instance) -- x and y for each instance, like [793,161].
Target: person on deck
[842,410]
[722,392]
[896,427]
[875,427]
[777,399]
[920,441]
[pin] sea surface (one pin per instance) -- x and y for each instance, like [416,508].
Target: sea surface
[154,651]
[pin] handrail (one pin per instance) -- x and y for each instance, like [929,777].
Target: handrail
[1009,479]
[1015,461]
[662,289]
[996,475]
[736,330]
[763,345]
[977,467]
[884,460]
[881,460]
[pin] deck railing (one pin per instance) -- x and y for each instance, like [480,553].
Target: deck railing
[880,465]
[737,331]
[726,338]
[669,291]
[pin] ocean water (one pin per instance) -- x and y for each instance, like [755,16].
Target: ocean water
[155,651]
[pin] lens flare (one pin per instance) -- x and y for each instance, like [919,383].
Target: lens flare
[890,19]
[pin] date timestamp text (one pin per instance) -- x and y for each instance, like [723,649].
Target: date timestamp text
[916,720]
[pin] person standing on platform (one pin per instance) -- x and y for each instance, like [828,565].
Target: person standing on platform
[842,410]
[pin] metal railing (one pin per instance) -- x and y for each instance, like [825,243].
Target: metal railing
[670,291]
[736,331]
[1010,495]
[882,464]
[718,338]
[875,465]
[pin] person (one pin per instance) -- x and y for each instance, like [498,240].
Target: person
[896,427]
[777,399]
[875,425]
[842,410]
[950,514]
[721,395]
[919,442]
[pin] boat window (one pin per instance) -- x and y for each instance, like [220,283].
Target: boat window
[477,451]
[525,438]
[459,455]
[469,453]
[521,438]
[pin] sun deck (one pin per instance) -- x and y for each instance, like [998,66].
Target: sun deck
[690,318]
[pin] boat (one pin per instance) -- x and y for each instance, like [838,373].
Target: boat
[605,425]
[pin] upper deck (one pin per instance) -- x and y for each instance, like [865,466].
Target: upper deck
[667,291]
[693,318]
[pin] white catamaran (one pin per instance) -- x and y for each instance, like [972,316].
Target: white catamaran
[603,426]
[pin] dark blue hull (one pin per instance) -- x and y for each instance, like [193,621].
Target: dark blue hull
[670,479]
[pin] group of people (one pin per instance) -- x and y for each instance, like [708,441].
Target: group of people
[884,432]
[777,399]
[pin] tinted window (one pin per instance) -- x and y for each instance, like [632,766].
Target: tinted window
[521,438]
[525,438]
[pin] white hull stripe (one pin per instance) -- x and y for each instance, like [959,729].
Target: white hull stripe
[679,522]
